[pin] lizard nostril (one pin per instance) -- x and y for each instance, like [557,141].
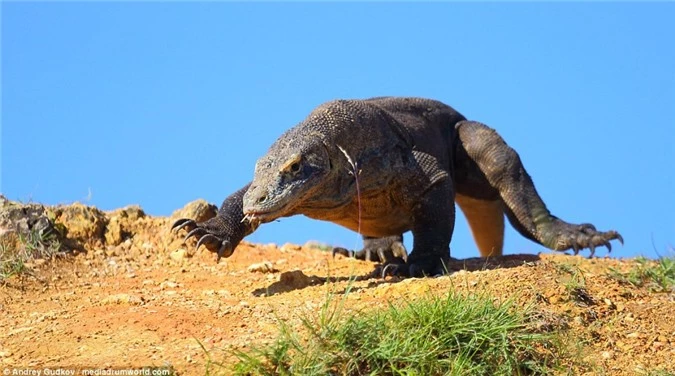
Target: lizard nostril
[262,199]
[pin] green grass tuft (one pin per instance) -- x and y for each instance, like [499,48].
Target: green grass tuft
[658,276]
[455,335]
[11,263]
[655,372]
[33,245]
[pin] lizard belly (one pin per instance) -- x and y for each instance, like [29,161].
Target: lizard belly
[377,214]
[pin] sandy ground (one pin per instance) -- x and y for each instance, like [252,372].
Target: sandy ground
[150,301]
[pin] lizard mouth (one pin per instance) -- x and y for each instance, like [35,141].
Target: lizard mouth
[263,209]
[259,216]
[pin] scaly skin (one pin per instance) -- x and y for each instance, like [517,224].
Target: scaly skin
[384,166]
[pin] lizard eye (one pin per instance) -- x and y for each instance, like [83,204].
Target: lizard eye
[295,167]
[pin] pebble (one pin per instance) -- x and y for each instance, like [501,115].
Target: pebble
[122,299]
[178,255]
[169,284]
[262,267]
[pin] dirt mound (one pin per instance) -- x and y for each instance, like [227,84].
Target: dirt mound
[135,295]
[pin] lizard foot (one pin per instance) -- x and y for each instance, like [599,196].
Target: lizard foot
[384,250]
[375,255]
[578,237]
[421,268]
[207,232]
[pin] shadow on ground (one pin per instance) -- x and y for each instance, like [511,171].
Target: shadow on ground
[297,280]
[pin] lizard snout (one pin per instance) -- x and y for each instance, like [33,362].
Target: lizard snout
[255,199]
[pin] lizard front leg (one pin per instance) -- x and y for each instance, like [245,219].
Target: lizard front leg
[433,222]
[222,233]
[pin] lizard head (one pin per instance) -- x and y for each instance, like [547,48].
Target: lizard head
[285,177]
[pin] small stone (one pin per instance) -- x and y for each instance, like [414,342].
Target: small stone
[169,284]
[290,247]
[296,279]
[263,267]
[39,262]
[111,252]
[122,299]
[199,210]
[179,255]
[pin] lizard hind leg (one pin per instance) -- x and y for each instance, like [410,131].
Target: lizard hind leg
[487,168]
[486,220]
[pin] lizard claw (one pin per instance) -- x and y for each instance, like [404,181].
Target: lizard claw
[207,240]
[394,270]
[211,241]
[192,233]
[423,267]
[211,234]
[608,245]
[343,251]
[182,223]
[385,250]
[578,237]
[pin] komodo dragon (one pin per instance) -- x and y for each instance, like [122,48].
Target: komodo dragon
[384,166]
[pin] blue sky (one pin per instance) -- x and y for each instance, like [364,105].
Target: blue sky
[161,103]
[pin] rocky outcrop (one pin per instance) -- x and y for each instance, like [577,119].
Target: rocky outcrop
[121,223]
[21,223]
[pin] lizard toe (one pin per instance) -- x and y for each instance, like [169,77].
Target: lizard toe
[225,250]
[587,228]
[211,242]
[194,232]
